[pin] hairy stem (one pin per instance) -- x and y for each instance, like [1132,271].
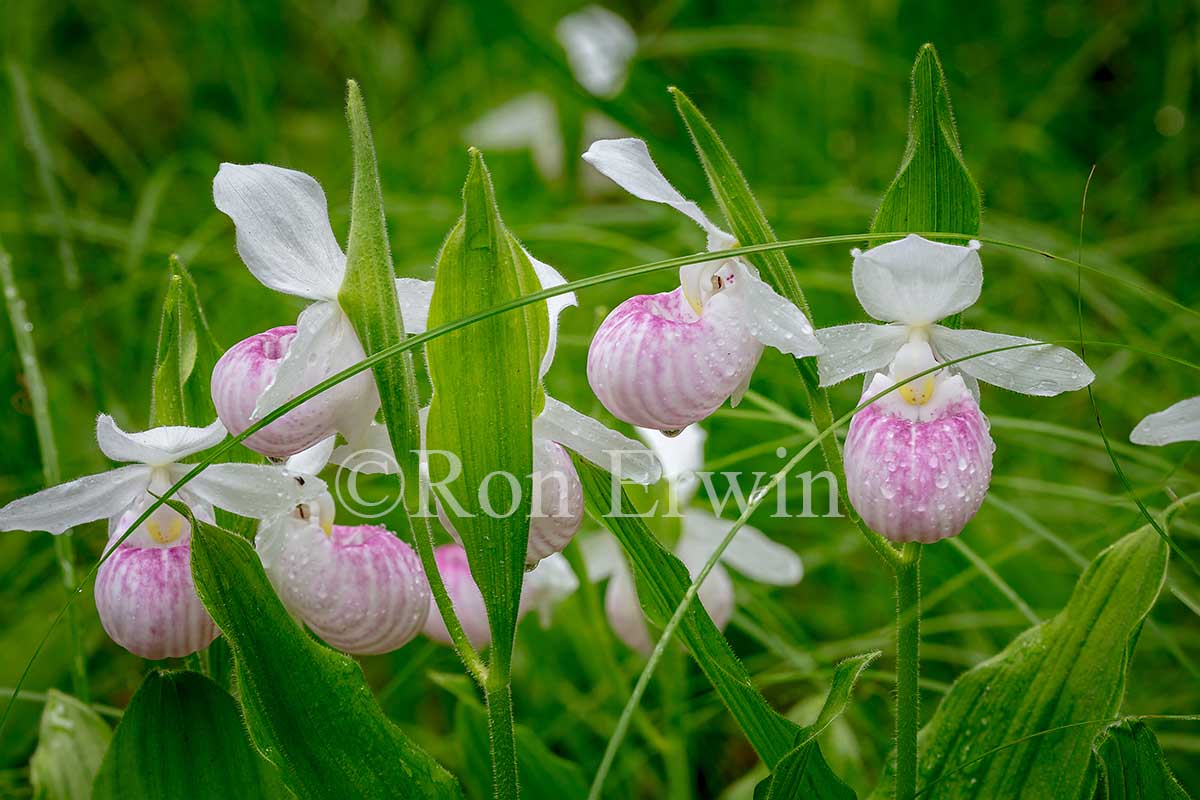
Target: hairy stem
[502,731]
[908,642]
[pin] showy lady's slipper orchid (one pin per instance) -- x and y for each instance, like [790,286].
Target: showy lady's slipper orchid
[545,586]
[1177,423]
[665,361]
[285,239]
[751,552]
[919,460]
[358,587]
[144,591]
[558,427]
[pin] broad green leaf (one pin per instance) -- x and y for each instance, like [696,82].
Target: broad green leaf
[1132,766]
[803,772]
[181,738]
[307,707]
[662,580]
[544,775]
[747,222]
[186,355]
[1066,671]
[72,739]
[933,190]
[485,395]
[368,294]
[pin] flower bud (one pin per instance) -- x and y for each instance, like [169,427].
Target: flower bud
[464,596]
[359,588]
[919,460]
[245,371]
[144,591]
[655,362]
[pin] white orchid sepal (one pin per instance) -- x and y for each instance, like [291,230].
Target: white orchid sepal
[286,241]
[1176,423]
[250,490]
[911,284]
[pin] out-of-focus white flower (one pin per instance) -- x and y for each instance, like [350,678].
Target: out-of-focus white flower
[1177,423]
[599,46]
[545,586]
[751,552]
[665,361]
[530,122]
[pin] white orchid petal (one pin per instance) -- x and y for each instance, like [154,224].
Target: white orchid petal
[157,446]
[602,556]
[549,277]
[325,344]
[853,349]
[628,164]
[415,297]
[283,231]
[752,553]
[1043,371]
[257,491]
[770,317]
[1177,423]
[916,281]
[312,460]
[599,46]
[76,502]
[716,593]
[599,444]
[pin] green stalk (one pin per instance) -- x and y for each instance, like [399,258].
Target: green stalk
[908,642]
[501,729]
[64,549]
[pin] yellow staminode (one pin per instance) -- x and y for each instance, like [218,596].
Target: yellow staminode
[165,534]
[918,392]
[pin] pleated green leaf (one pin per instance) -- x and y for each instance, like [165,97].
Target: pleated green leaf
[368,294]
[933,190]
[72,739]
[186,355]
[662,580]
[1132,766]
[486,393]
[1066,671]
[181,738]
[803,772]
[308,708]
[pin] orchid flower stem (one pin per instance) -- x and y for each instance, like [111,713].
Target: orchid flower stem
[423,537]
[64,547]
[501,728]
[908,641]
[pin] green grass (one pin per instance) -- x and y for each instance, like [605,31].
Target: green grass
[135,107]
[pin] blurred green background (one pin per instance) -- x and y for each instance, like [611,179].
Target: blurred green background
[114,117]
